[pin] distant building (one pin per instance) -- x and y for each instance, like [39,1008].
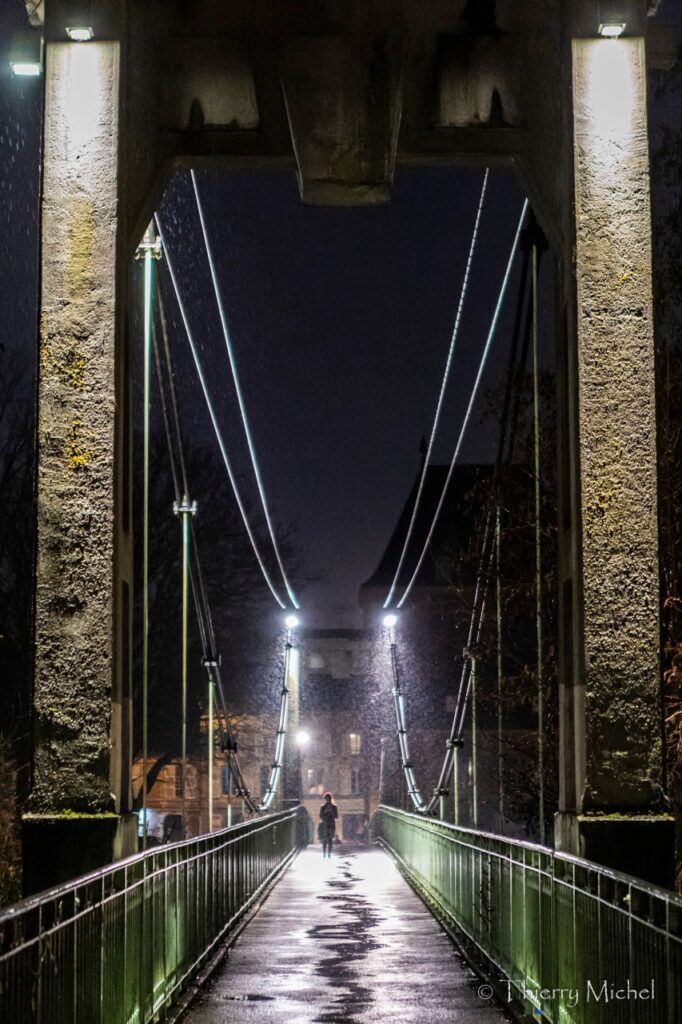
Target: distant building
[338,711]
[255,738]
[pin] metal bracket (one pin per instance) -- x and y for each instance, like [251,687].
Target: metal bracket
[185,507]
[149,246]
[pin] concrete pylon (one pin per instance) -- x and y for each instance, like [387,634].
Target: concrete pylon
[612,803]
[79,811]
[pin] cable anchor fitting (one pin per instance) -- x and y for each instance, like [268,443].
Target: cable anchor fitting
[149,246]
[185,507]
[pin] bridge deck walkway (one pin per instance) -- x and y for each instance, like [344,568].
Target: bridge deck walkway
[343,941]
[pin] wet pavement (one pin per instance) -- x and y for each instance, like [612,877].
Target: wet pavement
[343,941]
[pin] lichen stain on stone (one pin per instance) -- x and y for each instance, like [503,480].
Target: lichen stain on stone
[600,504]
[80,248]
[77,455]
[45,355]
[71,369]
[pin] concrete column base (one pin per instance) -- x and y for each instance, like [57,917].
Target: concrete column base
[639,845]
[58,848]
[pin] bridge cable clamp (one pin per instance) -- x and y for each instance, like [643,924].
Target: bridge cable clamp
[185,507]
[149,246]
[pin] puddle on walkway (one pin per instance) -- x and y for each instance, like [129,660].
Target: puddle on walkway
[349,941]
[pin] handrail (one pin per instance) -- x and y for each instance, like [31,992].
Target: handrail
[571,941]
[119,945]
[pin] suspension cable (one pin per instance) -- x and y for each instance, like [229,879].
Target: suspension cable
[278,760]
[202,607]
[443,388]
[472,399]
[214,421]
[210,659]
[240,395]
[507,439]
[509,415]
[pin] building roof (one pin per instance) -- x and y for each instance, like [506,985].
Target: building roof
[452,534]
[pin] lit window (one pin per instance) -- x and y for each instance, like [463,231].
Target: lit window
[315,661]
[355,741]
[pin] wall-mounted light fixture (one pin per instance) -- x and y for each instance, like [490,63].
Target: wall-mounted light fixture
[24,55]
[25,69]
[611,29]
[80,33]
[612,19]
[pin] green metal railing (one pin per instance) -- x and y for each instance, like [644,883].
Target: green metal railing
[119,946]
[572,941]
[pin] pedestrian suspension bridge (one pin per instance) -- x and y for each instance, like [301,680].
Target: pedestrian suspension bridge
[370,935]
[546,933]
[501,926]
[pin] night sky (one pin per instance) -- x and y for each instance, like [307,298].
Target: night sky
[340,320]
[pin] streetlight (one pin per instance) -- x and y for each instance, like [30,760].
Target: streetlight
[291,622]
[302,738]
[390,621]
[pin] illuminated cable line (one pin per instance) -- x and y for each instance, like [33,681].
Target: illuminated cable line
[200,597]
[487,558]
[443,388]
[203,609]
[490,532]
[454,740]
[240,395]
[214,421]
[278,760]
[472,399]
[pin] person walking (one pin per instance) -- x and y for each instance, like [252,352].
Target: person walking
[326,829]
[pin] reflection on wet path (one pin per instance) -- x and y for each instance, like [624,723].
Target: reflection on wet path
[343,941]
